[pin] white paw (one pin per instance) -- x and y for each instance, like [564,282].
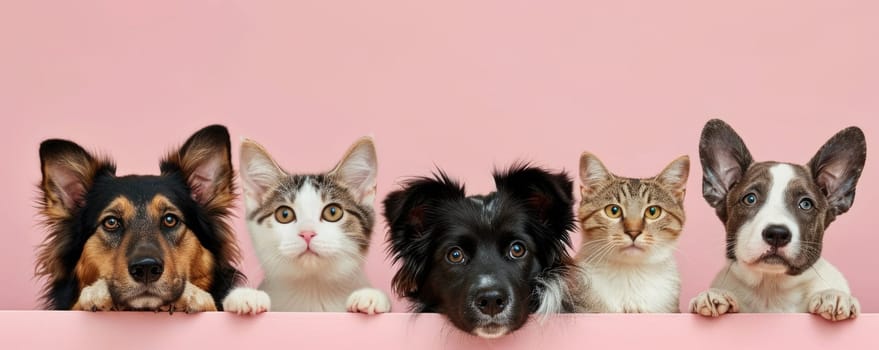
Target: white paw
[369,301]
[194,299]
[95,297]
[714,302]
[247,301]
[834,305]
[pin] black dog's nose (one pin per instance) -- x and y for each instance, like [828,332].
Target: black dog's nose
[492,302]
[146,270]
[777,236]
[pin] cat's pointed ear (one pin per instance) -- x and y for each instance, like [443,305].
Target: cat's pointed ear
[69,172]
[358,170]
[674,177]
[205,161]
[259,171]
[724,160]
[548,195]
[593,173]
[409,214]
[837,167]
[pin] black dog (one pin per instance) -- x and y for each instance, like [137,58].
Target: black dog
[485,261]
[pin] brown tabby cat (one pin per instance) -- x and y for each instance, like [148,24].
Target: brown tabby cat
[630,230]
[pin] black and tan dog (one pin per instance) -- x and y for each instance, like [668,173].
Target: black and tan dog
[138,242]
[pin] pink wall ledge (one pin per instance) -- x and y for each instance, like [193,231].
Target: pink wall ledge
[82,330]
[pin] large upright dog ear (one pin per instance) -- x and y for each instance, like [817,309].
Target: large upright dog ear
[838,165]
[724,161]
[547,195]
[69,172]
[259,171]
[358,170]
[593,173]
[674,177]
[409,213]
[205,161]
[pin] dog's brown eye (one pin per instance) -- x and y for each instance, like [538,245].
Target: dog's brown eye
[750,199]
[806,204]
[455,256]
[111,223]
[517,250]
[170,220]
[653,212]
[332,213]
[613,211]
[285,215]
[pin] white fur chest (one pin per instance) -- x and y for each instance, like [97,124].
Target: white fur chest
[311,295]
[633,288]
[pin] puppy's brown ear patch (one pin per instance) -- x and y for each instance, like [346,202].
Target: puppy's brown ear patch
[837,167]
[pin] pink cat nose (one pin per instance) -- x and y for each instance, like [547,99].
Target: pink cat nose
[307,236]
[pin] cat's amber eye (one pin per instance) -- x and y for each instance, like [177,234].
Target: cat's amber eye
[613,211]
[332,213]
[285,214]
[170,220]
[653,212]
[456,256]
[111,223]
[517,250]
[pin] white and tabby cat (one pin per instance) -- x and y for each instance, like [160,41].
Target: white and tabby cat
[630,229]
[311,234]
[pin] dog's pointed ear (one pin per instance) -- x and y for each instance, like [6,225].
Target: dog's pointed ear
[205,161]
[593,174]
[548,195]
[69,172]
[725,158]
[674,177]
[259,171]
[409,214]
[358,170]
[838,165]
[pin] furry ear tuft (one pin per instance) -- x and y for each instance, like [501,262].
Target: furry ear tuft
[358,170]
[259,171]
[68,173]
[592,174]
[674,177]
[205,161]
[547,195]
[409,215]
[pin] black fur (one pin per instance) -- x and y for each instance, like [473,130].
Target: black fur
[430,216]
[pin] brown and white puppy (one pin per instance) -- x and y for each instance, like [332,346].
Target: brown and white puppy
[775,216]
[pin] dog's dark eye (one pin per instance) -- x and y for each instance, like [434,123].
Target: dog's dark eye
[517,250]
[285,214]
[111,223]
[806,204]
[613,211]
[332,213]
[170,220]
[456,256]
[750,199]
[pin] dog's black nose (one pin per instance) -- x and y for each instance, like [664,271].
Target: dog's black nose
[146,270]
[777,236]
[492,302]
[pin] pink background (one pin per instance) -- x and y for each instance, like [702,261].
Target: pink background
[464,85]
